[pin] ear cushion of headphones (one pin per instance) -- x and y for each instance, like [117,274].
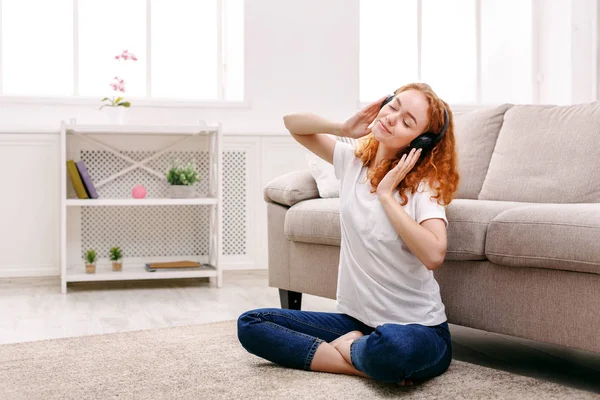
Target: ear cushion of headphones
[425,141]
[428,140]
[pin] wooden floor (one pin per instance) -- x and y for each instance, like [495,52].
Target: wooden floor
[34,309]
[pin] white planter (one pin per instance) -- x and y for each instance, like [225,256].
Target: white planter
[114,115]
[182,191]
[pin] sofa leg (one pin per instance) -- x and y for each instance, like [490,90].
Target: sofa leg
[289,299]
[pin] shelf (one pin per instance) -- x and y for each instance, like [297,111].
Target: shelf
[141,129]
[158,140]
[130,272]
[141,202]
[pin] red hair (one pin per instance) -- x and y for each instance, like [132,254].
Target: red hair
[438,167]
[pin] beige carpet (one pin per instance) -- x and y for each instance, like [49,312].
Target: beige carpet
[207,362]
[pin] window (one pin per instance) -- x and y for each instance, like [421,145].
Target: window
[186,49]
[469,51]
[37,50]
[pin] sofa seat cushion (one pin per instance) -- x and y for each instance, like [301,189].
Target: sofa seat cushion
[468,221]
[318,221]
[554,236]
[314,221]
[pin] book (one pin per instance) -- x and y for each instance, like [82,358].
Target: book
[87,180]
[175,264]
[178,265]
[76,180]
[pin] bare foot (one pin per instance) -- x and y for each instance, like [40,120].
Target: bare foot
[342,345]
[344,342]
[350,335]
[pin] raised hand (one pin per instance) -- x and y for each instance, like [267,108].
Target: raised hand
[358,125]
[395,175]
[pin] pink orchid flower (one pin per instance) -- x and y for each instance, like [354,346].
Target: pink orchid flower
[118,85]
[126,55]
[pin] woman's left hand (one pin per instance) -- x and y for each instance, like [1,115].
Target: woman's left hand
[392,179]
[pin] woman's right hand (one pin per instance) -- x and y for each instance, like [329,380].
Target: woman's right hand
[358,125]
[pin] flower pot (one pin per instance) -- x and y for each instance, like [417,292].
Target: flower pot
[117,265]
[90,268]
[114,115]
[181,191]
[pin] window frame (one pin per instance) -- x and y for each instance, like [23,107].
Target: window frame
[463,107]
[140,101]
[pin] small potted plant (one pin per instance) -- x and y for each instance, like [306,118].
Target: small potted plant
[116,256]
[90,261]
[181,180]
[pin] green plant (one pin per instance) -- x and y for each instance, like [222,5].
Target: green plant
[116,254]
[118,84]
[90,256]
[179,175]
[115,102]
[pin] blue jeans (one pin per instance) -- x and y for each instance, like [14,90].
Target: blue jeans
[389,352]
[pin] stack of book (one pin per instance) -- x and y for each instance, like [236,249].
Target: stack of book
[177,265]
[81,180]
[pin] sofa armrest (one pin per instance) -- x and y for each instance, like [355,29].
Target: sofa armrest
[291,188]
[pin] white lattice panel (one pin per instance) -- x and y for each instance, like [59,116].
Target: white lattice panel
[162,231]
[103,164]
[146,231]
[234,203]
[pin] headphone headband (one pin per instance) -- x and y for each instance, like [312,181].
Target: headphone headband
[446,123]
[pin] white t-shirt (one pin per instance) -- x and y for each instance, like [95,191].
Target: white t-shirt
[379,279]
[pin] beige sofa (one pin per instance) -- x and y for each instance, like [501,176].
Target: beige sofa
[523,253]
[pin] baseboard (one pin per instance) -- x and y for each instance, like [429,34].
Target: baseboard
[23,271]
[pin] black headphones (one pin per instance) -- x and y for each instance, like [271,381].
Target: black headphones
[427,140]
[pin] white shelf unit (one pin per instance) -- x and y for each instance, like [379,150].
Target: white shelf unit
[73,268]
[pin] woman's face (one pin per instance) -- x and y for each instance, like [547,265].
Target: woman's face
[401,120]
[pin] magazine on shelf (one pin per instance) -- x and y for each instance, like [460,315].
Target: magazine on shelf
[178,266]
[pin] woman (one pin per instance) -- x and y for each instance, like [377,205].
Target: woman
[392,324]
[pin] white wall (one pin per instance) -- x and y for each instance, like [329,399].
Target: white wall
[554,50]
[584,51]
[567,51]
[300,55]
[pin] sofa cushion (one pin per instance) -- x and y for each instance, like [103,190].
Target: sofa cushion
[546,154]
[476,133]
[324,175]
[468,223]
[318,221]
[291,188]
[314,221]
[554,236]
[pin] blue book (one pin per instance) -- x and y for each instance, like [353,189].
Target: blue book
[87,180]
